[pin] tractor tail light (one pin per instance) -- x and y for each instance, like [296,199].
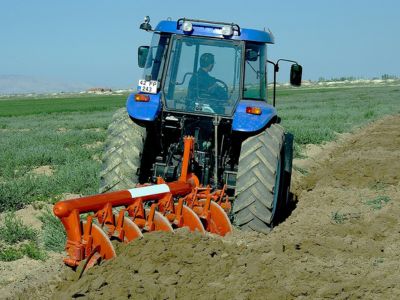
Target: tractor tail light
[142,98]
[253,110]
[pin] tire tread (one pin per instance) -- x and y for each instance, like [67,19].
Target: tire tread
[255,182]
[121,158]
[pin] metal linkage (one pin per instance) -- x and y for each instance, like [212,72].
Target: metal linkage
[182,203]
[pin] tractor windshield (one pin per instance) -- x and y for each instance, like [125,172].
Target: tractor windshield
[203,75]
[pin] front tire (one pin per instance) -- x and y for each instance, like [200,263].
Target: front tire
[261,183]
[122,156]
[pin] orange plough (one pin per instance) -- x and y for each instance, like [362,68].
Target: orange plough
[126,215]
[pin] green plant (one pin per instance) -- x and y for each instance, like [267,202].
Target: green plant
[378,202]
[378,261]
[14,252]
[53,234]
[369,114]
[21,240]
[301,170]
[338,217]
[14,230]
[38,205]
[32,250]
[379,186]
[298,151]
[10,253]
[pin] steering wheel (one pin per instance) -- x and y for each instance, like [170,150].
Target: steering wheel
[220,89]
[223,85]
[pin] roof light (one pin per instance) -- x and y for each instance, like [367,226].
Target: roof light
[146,24]
[142,98]
[187,27]
[253,110]
[227,30]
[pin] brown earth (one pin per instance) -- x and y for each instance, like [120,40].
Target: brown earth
[43,170]
[26,278]
[341,241]
[26,274]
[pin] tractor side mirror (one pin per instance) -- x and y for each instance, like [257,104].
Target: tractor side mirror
[295,74]
[143,51]
[251,55]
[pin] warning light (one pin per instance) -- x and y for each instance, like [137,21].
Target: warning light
[142,98]
[253,110]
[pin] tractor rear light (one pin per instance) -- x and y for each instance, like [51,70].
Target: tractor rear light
[227,31]
[187,27]
[253,110]
[142,98]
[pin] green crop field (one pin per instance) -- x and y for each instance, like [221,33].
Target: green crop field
[63,105]
[315,115]
[65,136]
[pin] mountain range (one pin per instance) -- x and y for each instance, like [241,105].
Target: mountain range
[22,84]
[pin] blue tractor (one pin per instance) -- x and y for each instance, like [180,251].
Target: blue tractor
[207,80]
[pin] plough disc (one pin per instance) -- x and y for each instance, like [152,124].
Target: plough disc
[191,220]
[220,223]
[131,230]
[101,243]
[215,220]
[160,222]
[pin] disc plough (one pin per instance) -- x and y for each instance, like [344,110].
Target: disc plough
[125,215]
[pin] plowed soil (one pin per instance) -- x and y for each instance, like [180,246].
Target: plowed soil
[341,241]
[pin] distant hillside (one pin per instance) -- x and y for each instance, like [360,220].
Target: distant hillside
[21,84]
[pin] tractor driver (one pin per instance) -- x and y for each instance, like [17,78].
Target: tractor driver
[203,85]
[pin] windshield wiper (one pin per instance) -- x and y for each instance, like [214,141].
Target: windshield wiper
[255,71]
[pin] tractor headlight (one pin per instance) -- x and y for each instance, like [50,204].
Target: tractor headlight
[227,30]
[187,27]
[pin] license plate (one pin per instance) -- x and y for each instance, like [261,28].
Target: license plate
[147,86]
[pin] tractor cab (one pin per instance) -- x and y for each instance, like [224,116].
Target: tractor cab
[203,75]
[204,67]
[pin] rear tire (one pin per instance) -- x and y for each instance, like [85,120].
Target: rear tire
[262,183]
[121,159]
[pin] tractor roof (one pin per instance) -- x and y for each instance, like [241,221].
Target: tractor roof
[214,29]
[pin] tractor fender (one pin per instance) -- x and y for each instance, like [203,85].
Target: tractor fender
[245,122]
[145,111]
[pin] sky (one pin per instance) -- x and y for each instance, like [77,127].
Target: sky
[95,41]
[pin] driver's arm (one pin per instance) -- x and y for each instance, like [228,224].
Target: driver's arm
[213,84]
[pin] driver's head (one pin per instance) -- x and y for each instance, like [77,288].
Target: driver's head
[207,61]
